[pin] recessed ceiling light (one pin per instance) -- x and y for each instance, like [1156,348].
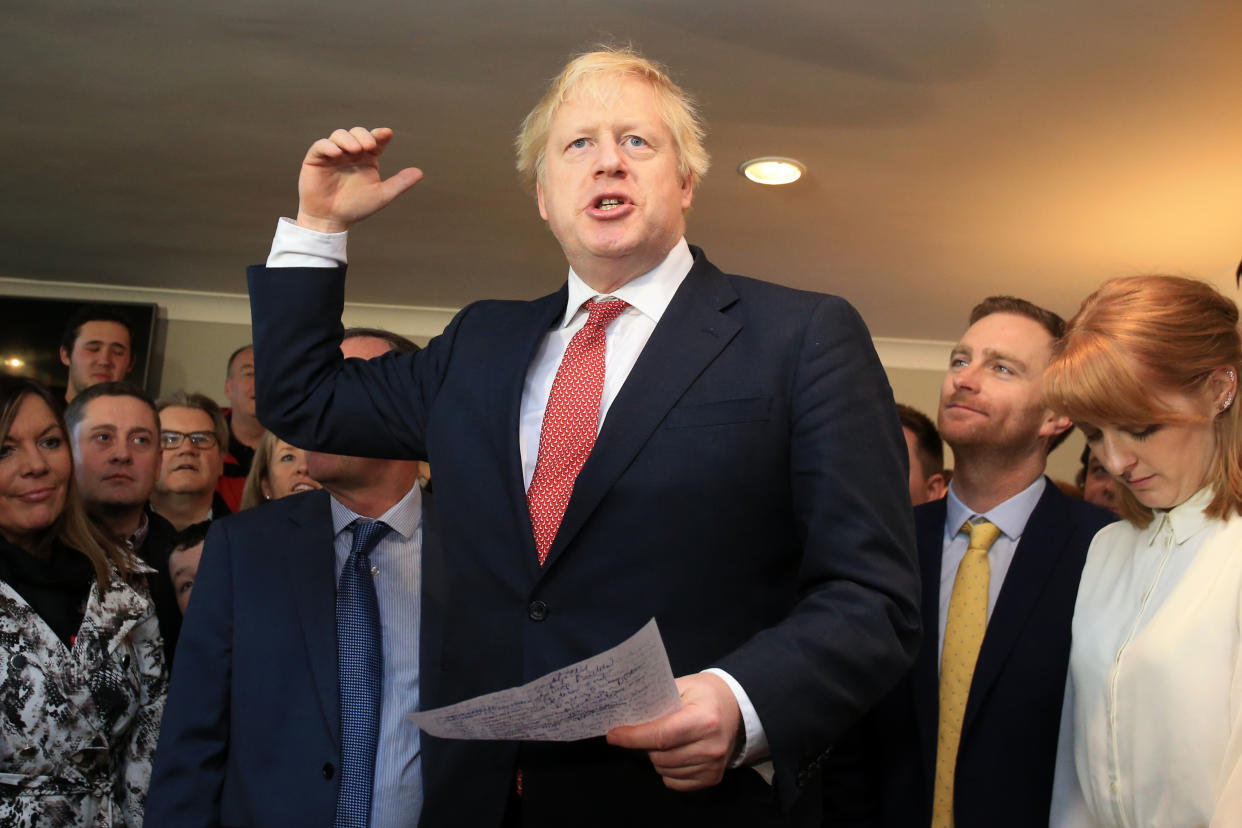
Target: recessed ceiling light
[772,170]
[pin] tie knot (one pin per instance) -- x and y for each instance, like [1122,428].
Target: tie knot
[367,533]
[602,312]
[983,533]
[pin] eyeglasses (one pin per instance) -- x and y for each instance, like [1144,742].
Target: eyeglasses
[198,439]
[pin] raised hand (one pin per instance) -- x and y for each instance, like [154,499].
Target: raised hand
[340,181]
[691,747]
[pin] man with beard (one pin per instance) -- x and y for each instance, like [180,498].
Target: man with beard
[969,737]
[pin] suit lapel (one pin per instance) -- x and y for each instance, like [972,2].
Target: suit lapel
[690,334]
[1043,543]
[511,367]
[929,520]
[311,568]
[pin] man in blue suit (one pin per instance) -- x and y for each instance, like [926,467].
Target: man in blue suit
[253,732]
[975,746]
[586,449]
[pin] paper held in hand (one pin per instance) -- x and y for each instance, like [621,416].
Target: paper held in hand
[630,684]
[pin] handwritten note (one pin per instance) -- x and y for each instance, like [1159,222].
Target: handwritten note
[629,684]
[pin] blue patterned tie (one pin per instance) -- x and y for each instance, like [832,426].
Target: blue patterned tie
[360,662]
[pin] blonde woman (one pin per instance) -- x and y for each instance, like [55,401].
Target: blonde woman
[278,469]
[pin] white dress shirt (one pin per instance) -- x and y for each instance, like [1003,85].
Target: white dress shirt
[648,295]
[396,564]
[1151,729]
[1010,517]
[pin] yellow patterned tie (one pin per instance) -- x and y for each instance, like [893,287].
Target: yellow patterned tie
[963,634]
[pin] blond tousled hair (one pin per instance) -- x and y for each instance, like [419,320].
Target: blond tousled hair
[1133,342]
[590,71]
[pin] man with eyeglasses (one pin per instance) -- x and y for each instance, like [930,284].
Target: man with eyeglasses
[192,438]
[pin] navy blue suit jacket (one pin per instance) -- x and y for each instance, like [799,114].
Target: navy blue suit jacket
[251,732]
[747,490]
[1009,734]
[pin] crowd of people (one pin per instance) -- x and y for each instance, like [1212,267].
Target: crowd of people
[857,642]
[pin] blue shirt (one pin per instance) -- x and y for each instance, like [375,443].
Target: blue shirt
[1010,517]
[397,795]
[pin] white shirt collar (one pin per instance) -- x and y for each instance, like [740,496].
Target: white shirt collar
[1011,516]
[1186,519]
[649,294]
[403,518]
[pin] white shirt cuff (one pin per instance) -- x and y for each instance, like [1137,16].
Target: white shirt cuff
[755,747]
[295,246]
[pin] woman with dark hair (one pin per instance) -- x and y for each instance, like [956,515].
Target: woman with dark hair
[82,678]
[1151,730]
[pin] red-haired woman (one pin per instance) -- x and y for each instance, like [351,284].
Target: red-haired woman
[1152,727]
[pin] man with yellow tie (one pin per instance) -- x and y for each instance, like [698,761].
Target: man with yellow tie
[968,739]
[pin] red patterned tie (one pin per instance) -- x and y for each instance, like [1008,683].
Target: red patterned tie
[569,423]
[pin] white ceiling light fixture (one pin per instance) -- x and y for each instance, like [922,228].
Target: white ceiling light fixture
[772,170]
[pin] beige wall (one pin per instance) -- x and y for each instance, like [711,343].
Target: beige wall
[193,356]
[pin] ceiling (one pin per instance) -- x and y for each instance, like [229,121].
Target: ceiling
[955,148]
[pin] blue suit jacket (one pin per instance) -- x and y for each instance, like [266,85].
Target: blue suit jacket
[747,489]
[251,732]
[1009,733]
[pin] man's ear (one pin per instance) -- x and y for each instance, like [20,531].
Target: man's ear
[64,356]
[543,210]
[936,486]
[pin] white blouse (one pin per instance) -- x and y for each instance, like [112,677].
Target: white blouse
[1151,730]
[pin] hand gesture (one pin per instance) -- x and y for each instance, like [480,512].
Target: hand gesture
[340,182]
[692,747]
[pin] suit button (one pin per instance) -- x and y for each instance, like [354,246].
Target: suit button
[18,661]
[328,770]
[537,610]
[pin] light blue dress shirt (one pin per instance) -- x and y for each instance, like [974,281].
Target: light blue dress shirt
[1010,517]
[396,564]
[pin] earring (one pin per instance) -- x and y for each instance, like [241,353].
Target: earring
[1228,400]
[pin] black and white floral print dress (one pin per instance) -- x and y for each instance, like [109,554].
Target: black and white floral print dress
[79,725]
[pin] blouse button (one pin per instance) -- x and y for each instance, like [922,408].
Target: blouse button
[18,661]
